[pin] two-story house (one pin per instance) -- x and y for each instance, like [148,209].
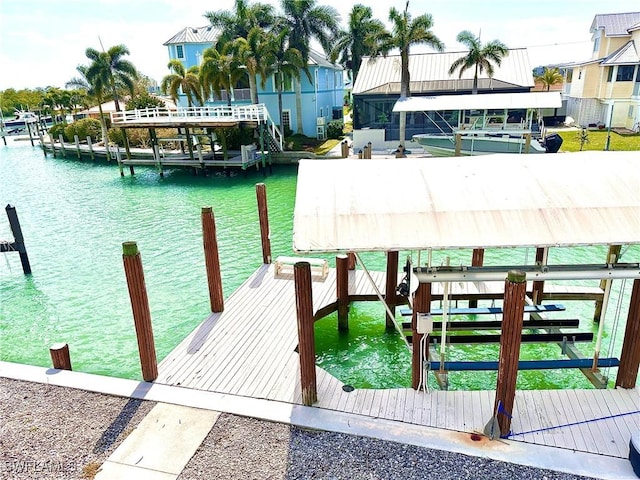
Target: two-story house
[605,90]
[322,95]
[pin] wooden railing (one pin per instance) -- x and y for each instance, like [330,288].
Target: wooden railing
[254,112]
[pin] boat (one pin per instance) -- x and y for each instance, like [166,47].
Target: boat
[485,123]
[20,122]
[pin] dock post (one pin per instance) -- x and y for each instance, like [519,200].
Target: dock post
[306,340]
[390,289]
[458,144]
[14,224]
[477,260]
[90,144]
[510,339]
[613,256]
[212,260]
[62,149]
[29,129]
[527,142]
[630,356]
[342,291]
[345,149]
[118,159]
[421,304]
[542,255]
[60,356]
[141,313]
[77,142]
[53,146]
[189,143]
[352,260]
[263,214]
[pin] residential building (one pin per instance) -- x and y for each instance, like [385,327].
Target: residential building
[322,94]
[377,88]
[605,89]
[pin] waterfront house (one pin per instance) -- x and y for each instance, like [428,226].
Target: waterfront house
[377,89]
[605,89]
[322,96]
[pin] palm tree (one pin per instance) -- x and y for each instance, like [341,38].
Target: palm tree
[406,32]
[251,53]
[220,70]
[94,90]
[187,80]
[479,56]
[239,22]
[306,21]
[109,68]
[286,63]
[362,38]
[549,77]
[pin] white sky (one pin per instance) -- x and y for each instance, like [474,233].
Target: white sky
[42,41]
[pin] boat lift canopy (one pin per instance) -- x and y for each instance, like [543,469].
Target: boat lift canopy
[487,101]
[507,200]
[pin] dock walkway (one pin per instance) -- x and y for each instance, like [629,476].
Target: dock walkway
[249,350]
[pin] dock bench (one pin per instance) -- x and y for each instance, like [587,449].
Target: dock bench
[284,266]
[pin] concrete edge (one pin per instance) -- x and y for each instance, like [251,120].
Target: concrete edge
[538,456]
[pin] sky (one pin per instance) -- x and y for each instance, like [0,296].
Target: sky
[43,41]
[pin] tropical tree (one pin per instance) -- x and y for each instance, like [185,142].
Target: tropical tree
[285,62]
[187,80]
[239,22]
[251,53]
[406,32]
[110,69]
[549,77]
[95,91]
[220,70]
[306,21]
[361,38]
[480,57]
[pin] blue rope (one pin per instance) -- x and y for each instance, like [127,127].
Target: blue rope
[573,424]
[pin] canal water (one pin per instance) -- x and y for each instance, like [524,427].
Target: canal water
[75,215]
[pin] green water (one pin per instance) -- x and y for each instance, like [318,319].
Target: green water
[76,214]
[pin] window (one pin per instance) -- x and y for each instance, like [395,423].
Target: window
[569,75]
[596,43]
[286,119]
[179,52]
[638,75]
[287,83]
[625,73]
[610,74]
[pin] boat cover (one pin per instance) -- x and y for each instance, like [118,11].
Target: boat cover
[562,199]
[529,100]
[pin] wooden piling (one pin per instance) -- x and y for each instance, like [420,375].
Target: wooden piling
[527,143]
[53,146]
[421,304]
[76,140]
[342,293]
[62,149]
[477,260]
[630,356]
[16,230]
[390,289]
[345,149]
[510,339]
[458,144]
[212,260]
[141,313]
[263,214]
[612,257]
[60,356]
[352,260]
[306,340]
[91,152]
[542,255]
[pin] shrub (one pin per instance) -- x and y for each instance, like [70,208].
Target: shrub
[56,130]
[335,128]
[143,101]
[83,128]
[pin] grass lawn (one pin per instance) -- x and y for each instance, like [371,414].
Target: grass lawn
[597,141]
[300,143]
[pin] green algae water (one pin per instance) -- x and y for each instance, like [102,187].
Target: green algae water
[75,215]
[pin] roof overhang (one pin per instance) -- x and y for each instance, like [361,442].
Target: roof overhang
[565,199]
[484,101]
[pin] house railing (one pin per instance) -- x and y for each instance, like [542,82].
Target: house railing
[234,113]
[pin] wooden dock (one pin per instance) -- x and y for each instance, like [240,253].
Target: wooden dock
[250,350]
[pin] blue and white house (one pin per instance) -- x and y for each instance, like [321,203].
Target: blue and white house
[322,96]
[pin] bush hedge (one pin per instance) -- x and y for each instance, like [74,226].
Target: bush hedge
[335,129]
[83,128]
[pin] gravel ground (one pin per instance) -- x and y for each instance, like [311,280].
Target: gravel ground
[51,432]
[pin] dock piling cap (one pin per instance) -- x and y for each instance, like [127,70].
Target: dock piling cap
[516,276]
[129,249]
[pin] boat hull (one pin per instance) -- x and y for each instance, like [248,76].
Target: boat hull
[445,145]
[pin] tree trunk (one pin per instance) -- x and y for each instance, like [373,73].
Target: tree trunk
[474,91]
[103,124]
[298,88]
[253,88]
[405,81]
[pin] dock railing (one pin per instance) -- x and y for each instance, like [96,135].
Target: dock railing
[253,112]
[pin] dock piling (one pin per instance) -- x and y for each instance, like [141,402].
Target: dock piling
[630,356]
[60,356]
[477,260]
[390,289]
[342,287]
[212,260]
[421,304]
[18,240]
[141,313]
[263,214]
[306,340]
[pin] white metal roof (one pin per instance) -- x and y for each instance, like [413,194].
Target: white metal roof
[481,101]
[564,199]
[515,70]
